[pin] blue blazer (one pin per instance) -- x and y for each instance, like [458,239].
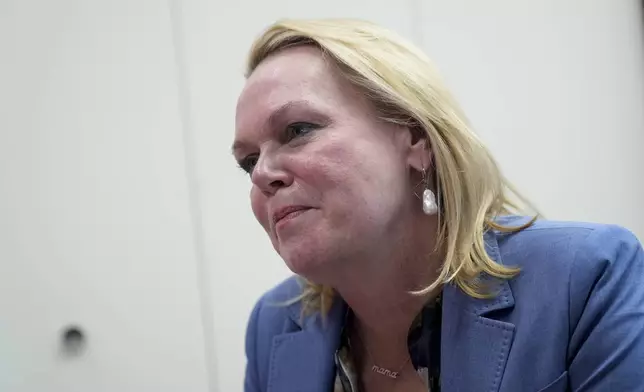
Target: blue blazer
[572,320]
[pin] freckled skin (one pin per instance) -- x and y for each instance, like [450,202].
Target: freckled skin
[352,169]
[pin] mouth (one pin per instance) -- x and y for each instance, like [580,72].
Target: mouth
[287,213]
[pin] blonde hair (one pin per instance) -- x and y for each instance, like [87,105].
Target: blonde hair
[402,83]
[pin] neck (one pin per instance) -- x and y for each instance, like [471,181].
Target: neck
[378,290]
[385,308]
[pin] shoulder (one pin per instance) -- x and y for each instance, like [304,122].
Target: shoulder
[278,303]
[566,263]
[562,244]
[582,283]
[274,313]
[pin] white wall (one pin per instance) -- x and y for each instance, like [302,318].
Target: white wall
[120,205]
[95,224]
[555,87]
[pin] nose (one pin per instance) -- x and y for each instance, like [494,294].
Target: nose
[269,174]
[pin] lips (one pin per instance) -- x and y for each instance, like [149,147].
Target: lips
[284,212]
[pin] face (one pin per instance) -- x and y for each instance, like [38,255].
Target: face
[330,179]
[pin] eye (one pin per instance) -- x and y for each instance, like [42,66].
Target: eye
[298,129]
[248,163]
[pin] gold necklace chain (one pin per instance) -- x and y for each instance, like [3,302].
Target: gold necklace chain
[379,369]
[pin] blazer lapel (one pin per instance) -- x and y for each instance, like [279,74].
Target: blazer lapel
[303,361]
[475,348]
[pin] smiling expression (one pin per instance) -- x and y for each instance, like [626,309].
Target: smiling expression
[330,178]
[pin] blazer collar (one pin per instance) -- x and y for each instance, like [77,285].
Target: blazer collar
[474,347]
[303,360]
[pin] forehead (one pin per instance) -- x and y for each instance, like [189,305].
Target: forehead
[296,74]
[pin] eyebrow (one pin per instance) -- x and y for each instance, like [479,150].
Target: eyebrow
[273,119]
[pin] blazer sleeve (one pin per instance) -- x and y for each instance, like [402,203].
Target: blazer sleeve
[606,350]
[251,379]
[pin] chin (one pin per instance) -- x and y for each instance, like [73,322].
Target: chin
[311,254]
[308,265]
[306,268]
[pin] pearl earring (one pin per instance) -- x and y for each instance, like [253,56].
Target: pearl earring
[430,207]
[429,202]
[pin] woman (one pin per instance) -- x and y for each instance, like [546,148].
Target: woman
[415,270]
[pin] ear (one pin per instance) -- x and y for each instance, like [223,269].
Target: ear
[419,155]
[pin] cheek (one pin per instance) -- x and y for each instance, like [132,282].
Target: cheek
[368,180]
[356,179]
[354,168]
[258,205]
[336,181]
[323,177]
